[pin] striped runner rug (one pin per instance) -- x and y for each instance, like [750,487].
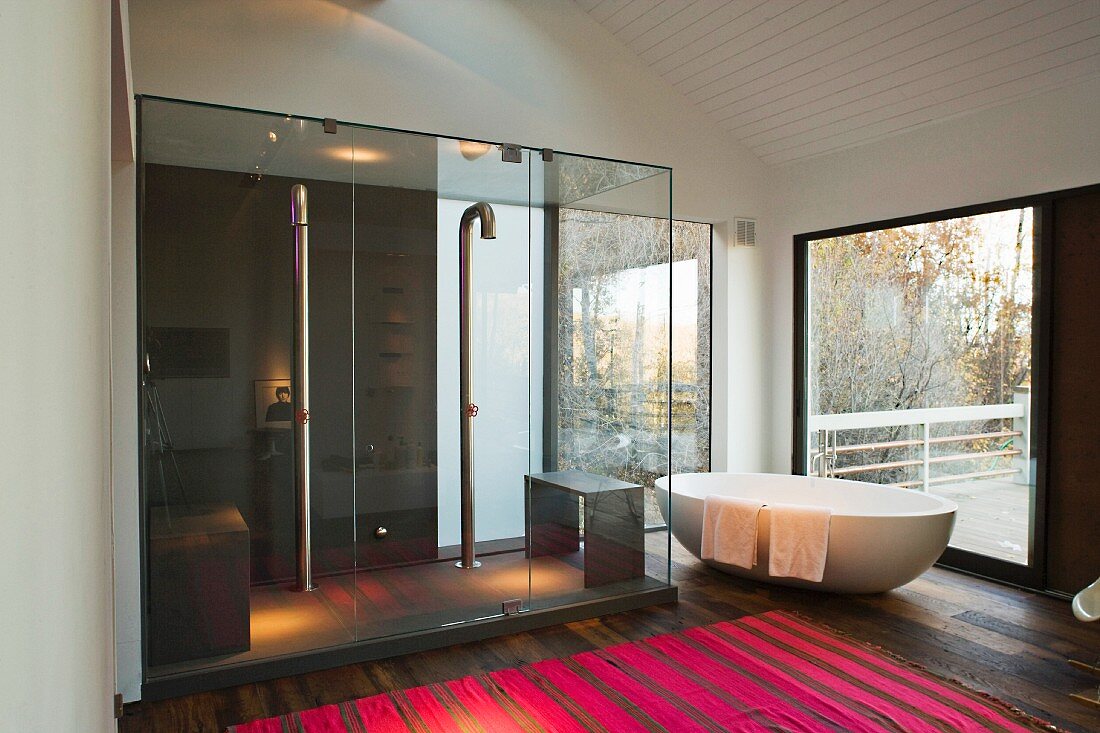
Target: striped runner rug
[773,672]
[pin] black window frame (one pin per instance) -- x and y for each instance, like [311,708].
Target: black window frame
[1033,575]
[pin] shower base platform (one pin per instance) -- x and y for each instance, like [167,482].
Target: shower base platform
[403,610]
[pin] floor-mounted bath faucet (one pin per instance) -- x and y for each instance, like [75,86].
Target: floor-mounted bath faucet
[484,212]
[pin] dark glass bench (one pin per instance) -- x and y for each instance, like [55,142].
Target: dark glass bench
[614,523]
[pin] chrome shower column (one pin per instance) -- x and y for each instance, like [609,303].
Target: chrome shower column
[484,212]
[299,220]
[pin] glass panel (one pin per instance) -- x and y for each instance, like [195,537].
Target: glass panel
[924,331]
[395,369]
[691,352]
[409,204]
[606,429]
[218,276]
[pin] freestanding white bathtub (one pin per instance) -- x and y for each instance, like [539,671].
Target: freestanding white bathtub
[880,537]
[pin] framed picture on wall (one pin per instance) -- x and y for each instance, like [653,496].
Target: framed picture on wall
[187,352]
[274,409]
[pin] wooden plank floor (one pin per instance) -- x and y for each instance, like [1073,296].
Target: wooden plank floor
[1007,642]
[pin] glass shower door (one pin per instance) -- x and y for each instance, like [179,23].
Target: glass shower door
[414,194]
[223,400]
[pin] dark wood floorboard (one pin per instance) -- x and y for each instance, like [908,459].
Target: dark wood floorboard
[1004,641]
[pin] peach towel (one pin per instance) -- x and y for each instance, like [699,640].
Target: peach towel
[799,541]
[729,530]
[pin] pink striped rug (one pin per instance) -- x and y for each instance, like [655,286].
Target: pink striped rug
[772,672]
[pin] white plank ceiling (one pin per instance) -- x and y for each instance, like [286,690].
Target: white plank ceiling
[793,79]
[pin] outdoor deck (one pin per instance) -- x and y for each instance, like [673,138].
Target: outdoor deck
[971,454]
[993,517]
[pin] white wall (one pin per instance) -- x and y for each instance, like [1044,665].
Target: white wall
[124,403]
[1044,143]
[124,415]
[56,668]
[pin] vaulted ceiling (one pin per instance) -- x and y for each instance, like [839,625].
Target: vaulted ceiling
[793,79]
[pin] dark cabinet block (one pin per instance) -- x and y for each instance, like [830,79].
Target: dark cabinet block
[198,583]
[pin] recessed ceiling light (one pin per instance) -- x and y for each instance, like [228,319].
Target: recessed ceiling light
[471,150]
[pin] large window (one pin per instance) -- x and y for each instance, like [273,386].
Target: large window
[918,367]
[615,326]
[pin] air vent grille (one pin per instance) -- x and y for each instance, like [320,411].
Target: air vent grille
[745,232]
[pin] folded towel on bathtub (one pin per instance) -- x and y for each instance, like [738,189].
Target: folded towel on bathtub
[729,530]
[799,541]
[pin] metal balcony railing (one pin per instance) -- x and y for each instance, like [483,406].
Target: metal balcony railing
[1013,443]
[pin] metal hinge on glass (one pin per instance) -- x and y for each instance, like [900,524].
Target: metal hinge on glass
[511,153]
[511,607]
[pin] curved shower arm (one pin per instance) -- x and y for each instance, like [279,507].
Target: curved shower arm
[483,212]
[468,410]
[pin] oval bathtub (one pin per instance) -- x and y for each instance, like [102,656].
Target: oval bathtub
[880,537]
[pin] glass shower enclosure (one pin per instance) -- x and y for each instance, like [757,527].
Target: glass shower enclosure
[375,411]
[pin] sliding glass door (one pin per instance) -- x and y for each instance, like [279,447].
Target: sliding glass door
[917,368]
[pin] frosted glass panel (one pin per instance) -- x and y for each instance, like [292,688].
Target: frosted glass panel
[502,371]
